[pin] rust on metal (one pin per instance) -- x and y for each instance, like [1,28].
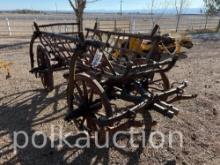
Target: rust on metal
[99,84]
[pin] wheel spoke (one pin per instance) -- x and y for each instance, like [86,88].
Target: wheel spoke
[76,99]
[79,90]
[91,96]
[85,91]
[91,102]
[101,114]
[83,120]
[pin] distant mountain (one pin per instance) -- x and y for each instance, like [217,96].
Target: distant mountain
[156,11]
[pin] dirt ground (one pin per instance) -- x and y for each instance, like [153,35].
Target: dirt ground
[25,106]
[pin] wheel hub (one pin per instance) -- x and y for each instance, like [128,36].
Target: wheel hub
[86,109]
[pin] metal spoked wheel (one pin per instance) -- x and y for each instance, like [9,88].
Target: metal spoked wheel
[88,103]
[44,65]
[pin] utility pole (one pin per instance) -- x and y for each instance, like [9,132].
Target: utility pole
[121,3]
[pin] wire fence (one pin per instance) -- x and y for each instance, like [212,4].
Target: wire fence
[22,24]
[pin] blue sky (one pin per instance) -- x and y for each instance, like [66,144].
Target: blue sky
[64,5]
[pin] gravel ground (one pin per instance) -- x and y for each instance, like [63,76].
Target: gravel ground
[25,106]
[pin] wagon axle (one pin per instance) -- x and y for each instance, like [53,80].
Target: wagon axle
[85,109]
[153,102]
[132,82]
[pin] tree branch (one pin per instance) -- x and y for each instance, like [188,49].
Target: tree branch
[72,5]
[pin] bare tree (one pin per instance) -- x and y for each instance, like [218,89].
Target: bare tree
[79,7]
[180,5]
[206,2]
[151,12]
[156,4]
[211,8]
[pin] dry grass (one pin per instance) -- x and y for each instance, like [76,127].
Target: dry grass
[21,24]
[24,105]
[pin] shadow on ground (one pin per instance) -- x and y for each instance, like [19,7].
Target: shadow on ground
[21,111]
[15,45]
[205,37]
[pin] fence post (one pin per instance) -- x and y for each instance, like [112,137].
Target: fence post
[115,25]
[132,25]
[8,25]
[97,24]
[218,27]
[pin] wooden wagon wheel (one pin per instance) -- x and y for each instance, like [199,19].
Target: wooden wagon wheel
[46,74]
[89,103]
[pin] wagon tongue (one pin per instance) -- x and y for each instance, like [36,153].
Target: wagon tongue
[84,110]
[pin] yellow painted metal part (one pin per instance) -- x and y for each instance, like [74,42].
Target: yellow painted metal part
[146,45]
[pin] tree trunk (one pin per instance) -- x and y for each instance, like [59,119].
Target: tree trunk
[79,19]
[177,22]
[206,21]
[78,8]
[218,27]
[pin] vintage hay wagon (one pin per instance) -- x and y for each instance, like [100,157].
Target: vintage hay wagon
[105,93]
